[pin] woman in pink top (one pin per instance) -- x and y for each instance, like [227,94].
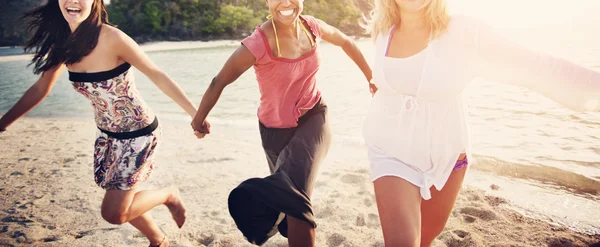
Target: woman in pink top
[292,120]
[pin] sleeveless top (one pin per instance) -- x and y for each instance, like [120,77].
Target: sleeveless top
[118,106]
[287,86]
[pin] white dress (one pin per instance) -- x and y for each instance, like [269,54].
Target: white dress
[416,126]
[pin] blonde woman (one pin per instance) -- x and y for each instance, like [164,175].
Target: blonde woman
[416,131]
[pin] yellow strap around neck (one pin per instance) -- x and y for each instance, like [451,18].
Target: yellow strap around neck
[312,42]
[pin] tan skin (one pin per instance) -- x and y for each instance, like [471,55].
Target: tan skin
[115,48]
[406,219]
[294,43]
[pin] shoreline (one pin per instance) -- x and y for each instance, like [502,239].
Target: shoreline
[154,46]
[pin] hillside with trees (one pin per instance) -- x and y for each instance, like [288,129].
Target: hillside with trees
[174,20]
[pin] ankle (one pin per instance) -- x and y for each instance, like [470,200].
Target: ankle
[157,242]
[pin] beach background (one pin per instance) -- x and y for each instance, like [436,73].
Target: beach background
[535,180]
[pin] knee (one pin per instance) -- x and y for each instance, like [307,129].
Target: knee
[115,218]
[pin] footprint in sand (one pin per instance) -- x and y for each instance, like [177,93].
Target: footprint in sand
[367,202]
[483,214]
[26,205]
[378,244]
[205,238]
[561,242]
[335,194]
[20,236]
[459,238]
[495,201]
[461,233]
[320,183]
[360,220]
[352,179]
[335,239]
[19,220]
[93,231]
[373,220]
[363,171]
[469,219]
[51,239]
[325,213]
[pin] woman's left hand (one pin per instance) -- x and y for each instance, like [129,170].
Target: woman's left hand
[372,88]
[202,130]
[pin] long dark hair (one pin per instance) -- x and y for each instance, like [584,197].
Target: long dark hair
[53,43]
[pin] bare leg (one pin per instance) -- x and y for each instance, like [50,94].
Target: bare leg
[435,212]
[120,206]
[147,227]
[399,202]
[300,233]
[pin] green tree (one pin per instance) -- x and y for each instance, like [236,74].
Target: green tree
[235,19]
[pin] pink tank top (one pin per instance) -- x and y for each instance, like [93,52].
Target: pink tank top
[287,86]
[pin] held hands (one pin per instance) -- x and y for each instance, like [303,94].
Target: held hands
[201,130]
[372,88]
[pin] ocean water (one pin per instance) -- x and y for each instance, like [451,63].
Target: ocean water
[511,127]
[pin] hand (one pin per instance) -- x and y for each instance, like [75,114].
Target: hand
[372,88]
[202,130]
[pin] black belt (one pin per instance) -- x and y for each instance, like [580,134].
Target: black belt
[133,134]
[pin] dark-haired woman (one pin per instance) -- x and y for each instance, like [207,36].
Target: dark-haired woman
[98,56]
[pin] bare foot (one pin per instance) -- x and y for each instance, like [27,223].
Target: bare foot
[175,205]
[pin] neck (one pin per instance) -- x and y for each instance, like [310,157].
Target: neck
[412,21]
[73,27]
[287,29]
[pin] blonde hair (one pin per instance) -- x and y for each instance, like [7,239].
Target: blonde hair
[386,14]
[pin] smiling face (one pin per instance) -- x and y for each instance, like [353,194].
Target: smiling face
[75,11]
[285,11]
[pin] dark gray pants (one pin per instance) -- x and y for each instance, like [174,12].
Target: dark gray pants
[294,156]
[299,151]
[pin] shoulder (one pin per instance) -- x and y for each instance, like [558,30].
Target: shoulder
[311,20]
[314,23]
[256,41]
[258,34]
[113,36]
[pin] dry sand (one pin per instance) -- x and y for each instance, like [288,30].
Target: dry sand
[49,197]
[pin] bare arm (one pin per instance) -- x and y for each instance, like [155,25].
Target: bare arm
[337,38]
[239,62]
[565,82]
[32,97]
[130,52]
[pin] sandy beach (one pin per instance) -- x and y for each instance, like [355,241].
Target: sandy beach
[49,197]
